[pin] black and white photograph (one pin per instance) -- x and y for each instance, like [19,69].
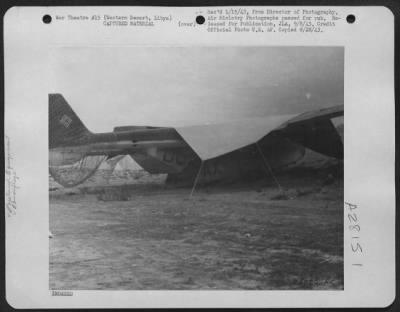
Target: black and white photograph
[198,157]
[196,168]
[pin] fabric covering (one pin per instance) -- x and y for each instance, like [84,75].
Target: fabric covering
[212,140]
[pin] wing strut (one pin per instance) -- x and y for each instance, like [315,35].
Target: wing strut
[266,163]
[197,178]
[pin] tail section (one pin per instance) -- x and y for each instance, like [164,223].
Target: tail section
[65,127]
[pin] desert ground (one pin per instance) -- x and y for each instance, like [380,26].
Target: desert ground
[135,236]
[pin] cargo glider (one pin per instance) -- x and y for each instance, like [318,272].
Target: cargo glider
[192,154]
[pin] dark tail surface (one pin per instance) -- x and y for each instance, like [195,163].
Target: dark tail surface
[65,127]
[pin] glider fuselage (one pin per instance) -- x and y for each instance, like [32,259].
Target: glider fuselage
[216,152]
[116,143]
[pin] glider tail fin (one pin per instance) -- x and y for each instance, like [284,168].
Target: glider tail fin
[65,127]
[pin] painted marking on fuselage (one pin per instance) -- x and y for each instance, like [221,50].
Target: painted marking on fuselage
[65,121]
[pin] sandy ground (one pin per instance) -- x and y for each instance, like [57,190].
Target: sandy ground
[225,237]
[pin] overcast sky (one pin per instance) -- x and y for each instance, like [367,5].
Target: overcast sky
[173,86]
